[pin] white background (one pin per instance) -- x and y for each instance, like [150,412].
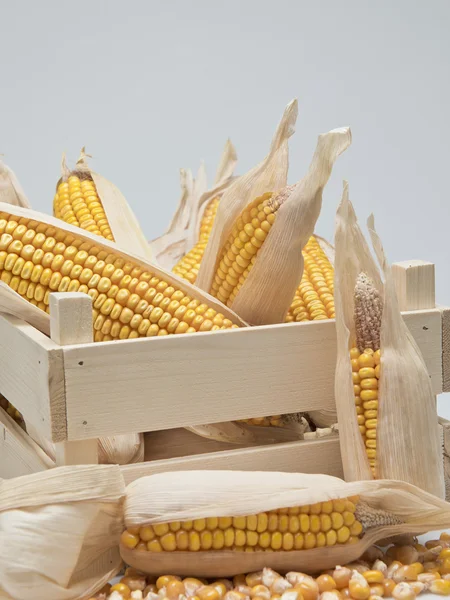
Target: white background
[153,86]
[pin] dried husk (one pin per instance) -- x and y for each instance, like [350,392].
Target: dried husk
[270,174]
[224,178]
[10,189]
[59,532]
[123,223]
[182,496]
[408,447]
[267,292]
[171,246]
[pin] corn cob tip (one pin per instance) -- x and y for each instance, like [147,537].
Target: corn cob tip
[368,313]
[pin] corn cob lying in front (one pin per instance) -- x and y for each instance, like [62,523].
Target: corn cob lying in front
[365,357]
[130,299]
[328,523]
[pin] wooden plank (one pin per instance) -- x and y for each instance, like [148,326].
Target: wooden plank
[317,456]
[177,381]
[20,455]
[445,313]
[415,284]
[181,442]
[71,323]
[32,378]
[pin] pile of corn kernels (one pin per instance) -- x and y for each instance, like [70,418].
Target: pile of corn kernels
[402,572]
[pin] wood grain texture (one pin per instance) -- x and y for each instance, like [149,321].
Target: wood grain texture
[71,323]
[445,313]
[414,284]
[19,454]
[184,380]
[316,456]
[32,378]
[181,442]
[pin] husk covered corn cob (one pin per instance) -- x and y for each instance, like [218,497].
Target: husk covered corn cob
[218,523]
[86,199]
[384,377]
[253,259]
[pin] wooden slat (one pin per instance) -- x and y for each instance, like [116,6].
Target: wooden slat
[19,454]
[185,380]
[414,284]
[317,456]
[32,378]
[71,323]
[445,312]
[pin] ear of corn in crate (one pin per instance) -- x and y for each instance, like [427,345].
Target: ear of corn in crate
[379,371]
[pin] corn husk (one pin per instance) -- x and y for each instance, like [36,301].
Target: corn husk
[269,174]
[183,496]
[223,179]
[408,447]
[10,189]
[267,292]
[123,223]
[171,246]
[59,532]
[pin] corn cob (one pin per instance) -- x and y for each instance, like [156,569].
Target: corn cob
[188,266]
[77,202]
[328,523]
[314,298]
[365,359]
[241,250]
[129,301]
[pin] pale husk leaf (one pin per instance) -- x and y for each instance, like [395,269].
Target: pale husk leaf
[123,223]
[408,446]
[224,178]
[169,248]
[411,451]
[59,532]
[270,174]
[267,292]
[187,185]
[11,191]
[183,496]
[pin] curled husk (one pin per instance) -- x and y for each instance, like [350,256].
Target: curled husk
[265,295]
[60,532]
[11,191]
[408,445]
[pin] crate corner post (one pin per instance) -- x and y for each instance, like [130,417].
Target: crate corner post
[71,323]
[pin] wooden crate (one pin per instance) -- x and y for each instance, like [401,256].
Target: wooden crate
[73,391]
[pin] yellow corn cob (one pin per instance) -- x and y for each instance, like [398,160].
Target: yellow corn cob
[77,202]
[317,525]
[240,251]
[314,298]
[188,266]
[330,523]
[366,374]
[365,359]
[128,301]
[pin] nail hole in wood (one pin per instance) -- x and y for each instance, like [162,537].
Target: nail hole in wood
[425,328]
[81,363]
[84,422]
